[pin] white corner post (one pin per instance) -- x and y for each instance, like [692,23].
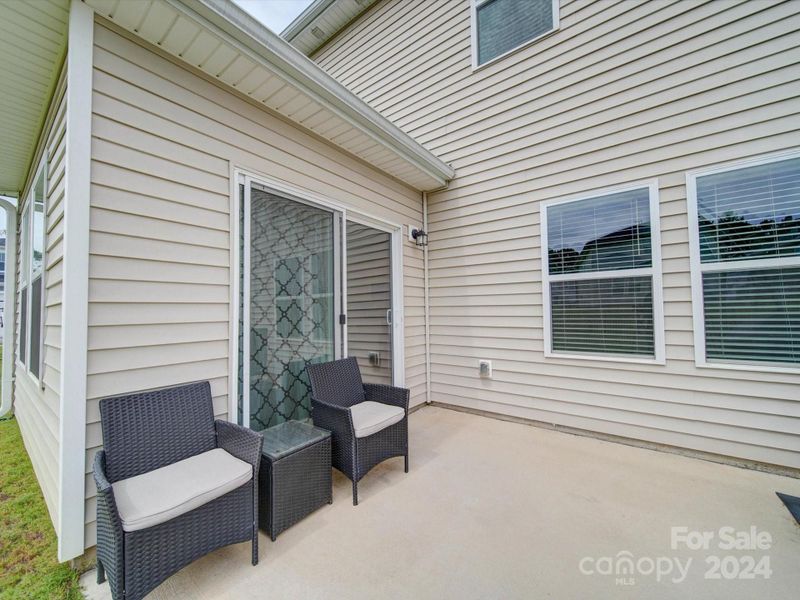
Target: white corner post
[75,287]
[9,305]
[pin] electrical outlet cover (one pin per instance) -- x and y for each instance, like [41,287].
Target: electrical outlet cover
[485,368]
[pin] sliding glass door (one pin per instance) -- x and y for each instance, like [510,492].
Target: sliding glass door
[369,301]
[292,302]
[314,286]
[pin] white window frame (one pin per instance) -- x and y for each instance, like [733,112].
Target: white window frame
[697,267]
[26,265]
[654,271]
[475,4]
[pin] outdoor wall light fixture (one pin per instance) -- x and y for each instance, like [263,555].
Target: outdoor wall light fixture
[418,236]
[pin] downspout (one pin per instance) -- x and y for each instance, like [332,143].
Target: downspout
[7,402]
[427,303]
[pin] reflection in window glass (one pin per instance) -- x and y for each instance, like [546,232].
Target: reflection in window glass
[600,234]
[750,213]
[593,307]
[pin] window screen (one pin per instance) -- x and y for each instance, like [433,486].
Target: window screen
[751,312]
[600,275]
[503,25]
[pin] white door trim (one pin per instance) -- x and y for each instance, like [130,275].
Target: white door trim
[293,192]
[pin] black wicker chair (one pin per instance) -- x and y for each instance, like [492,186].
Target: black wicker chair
[338,395]
[147,431]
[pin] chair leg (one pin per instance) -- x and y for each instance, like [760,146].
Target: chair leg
[101,572]
[255,547]
[355,493]
[406,457]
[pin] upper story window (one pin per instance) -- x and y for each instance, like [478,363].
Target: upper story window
[602,276]
[501,26]
[745,240]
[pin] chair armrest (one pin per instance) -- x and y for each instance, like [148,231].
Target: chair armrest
[387,394]
[332,417]
[110,536]
[107,504]
[99,472]
[243,443]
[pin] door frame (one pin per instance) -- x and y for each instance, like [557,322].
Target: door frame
[241,175]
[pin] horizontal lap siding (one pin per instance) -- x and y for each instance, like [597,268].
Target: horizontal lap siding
[624,91]
[163,142]
[36,404]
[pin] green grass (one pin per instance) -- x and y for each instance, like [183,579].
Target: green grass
[29,568]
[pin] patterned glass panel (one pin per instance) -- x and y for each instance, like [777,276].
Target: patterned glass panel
[291,305]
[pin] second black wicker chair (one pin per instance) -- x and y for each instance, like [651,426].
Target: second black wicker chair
[368,422]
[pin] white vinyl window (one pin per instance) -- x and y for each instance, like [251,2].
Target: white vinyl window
[31,292]
[601,268]
[501,26]
[744,225]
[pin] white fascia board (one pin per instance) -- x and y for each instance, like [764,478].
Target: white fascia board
[266,47]
[305,18]
[75,287]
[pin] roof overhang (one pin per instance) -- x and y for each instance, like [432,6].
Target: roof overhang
[33,38]
[321,21]
[227,44]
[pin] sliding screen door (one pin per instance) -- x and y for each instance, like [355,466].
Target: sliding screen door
[369,301]
[292,303]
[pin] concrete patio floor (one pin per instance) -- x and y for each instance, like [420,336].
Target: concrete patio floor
[493,509]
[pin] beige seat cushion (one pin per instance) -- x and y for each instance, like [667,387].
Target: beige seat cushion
[370,417]
[158,496]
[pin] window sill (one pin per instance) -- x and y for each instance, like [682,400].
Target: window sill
[607,358]
[751,367]
[23,368]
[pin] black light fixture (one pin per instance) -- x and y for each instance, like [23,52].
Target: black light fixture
[420,237]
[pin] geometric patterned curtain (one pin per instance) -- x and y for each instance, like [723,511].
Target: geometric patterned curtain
[291,305]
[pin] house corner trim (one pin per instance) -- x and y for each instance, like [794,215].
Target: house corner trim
[72,425]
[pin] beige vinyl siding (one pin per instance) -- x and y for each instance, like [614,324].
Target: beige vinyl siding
[36,403]
[164,142]
[624,91]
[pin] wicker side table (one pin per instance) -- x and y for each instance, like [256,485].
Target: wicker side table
[295,475]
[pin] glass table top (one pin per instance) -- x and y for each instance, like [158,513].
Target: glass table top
[289,437]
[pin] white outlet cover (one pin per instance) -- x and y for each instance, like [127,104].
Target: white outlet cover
[485,368]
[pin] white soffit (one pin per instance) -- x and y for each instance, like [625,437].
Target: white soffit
[321,21]
[226,43]
[33,38]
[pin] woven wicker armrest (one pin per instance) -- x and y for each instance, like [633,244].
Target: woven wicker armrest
[387,394]
[104,489]
[109,528]
[332,417]
[245,444]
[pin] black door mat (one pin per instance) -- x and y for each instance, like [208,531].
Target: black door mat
[792,503]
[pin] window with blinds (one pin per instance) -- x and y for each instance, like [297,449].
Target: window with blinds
[746,244]
[602,275]
[504,25]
